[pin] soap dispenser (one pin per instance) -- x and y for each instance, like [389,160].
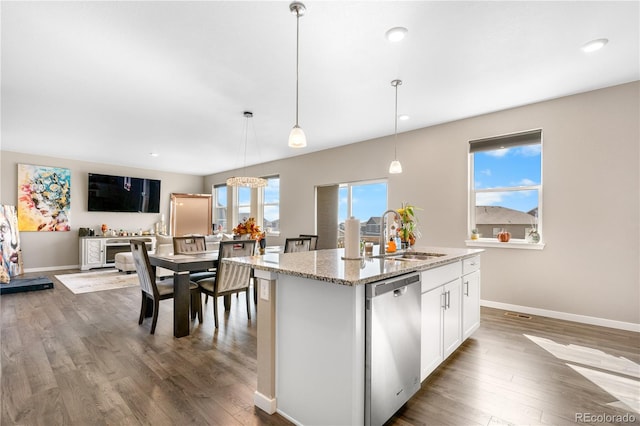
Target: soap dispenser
[391,247]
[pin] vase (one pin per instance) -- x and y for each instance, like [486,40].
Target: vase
[533,237]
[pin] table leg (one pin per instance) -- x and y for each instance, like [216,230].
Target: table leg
[181,300]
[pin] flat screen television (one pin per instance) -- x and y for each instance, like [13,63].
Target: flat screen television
[123,194]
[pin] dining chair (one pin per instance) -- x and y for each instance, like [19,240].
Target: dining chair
[314,241]
[193,244]
[230,278]
[154,290]
[298,244]
[186,245]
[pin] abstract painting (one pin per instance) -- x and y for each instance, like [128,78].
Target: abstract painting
[10,243]
[44,198]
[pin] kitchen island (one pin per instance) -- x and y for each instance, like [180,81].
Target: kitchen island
[311,324]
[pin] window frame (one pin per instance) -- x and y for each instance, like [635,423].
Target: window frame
[349,186]
[256,205]
[226,206]
[262,204]
[511,140]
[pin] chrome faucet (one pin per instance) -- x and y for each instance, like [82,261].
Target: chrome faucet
[383,228]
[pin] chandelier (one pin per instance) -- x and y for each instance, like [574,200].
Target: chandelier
[246,181]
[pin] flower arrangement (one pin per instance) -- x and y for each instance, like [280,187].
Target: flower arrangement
[408,230]
[248,227]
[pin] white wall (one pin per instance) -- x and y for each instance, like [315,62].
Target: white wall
[55,250]
[590,266]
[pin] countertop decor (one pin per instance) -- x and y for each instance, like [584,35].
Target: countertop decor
[248,227]
[409,229]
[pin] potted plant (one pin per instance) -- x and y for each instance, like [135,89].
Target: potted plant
[408,230]
[475,234]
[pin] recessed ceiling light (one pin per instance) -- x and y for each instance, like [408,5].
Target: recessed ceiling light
[403,117]
[396,33]
[594,45]
[154,154]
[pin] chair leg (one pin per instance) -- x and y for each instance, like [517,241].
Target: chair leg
[156,308]
[215,310]
[255,292]
[143,307]
[196,305]
[247,296]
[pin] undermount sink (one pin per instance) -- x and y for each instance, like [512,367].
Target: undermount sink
[411,256]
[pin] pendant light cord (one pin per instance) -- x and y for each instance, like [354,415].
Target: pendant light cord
[297,57]
[246,133]
[395,137]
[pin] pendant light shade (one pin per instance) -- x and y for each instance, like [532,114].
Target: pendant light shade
[247,181]
[297,138]
[395,167]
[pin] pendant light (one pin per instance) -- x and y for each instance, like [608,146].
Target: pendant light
[297,138]
[248,181]
[395,166]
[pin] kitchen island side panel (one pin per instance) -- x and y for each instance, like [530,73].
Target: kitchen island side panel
[320,344]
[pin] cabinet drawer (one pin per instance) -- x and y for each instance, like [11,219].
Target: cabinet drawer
[470,265]
[432,278]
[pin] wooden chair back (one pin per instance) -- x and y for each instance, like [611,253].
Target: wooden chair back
[146,272]
[295,245]
[233,277]
[186,245]
[314,241]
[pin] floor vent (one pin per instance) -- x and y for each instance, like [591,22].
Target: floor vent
[516,315]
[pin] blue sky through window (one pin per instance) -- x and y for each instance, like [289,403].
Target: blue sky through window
[508,168]
[368,200]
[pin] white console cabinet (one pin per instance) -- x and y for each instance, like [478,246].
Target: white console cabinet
[100,252]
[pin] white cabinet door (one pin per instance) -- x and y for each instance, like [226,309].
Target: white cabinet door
[431,340]
[92,253]
[470,303]
[452,315]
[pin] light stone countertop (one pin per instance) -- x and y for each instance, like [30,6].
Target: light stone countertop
[328,265]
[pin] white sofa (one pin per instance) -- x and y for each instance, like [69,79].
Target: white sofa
[164,245]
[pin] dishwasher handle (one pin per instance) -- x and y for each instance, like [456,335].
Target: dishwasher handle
[399,291]
[378,289]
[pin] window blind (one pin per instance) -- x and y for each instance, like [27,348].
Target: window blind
[529,137]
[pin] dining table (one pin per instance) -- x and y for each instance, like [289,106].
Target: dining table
[182,265]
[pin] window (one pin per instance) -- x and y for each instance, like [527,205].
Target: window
[271,205]
[261,203]
[506,185]
[220,208]
[243,203]
[364,201]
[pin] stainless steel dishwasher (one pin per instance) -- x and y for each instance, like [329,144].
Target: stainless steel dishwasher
[392,353]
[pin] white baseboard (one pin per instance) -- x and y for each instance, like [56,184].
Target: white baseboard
[603,322]
[51,268]
[264,403]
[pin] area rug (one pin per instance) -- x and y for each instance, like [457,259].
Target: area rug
[87,282]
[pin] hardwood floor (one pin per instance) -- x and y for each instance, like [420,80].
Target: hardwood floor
[84,360]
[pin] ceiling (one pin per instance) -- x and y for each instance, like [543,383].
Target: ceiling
[113,81]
